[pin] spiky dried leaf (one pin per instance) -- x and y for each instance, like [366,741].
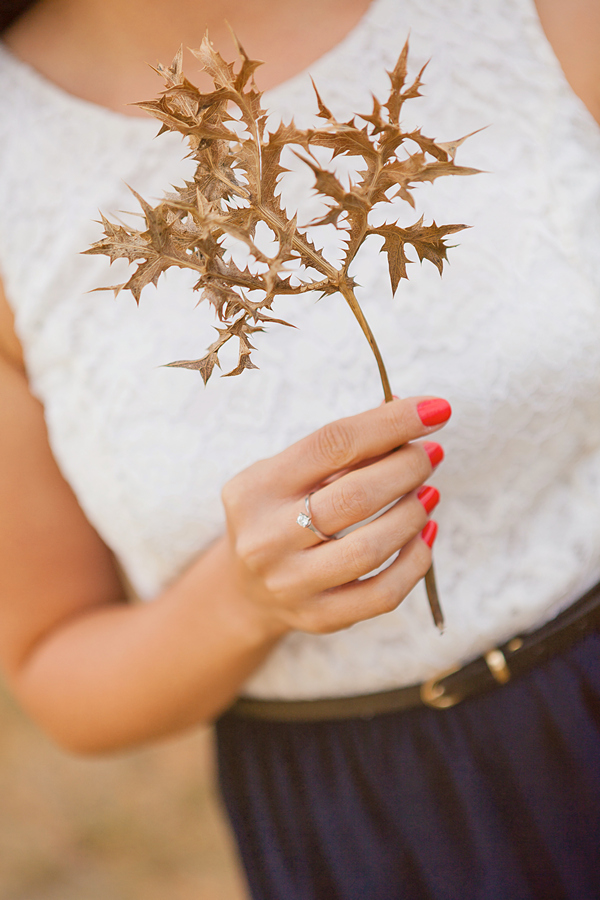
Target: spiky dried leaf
[235,187]
[204,366]
[394,245]
[427,240]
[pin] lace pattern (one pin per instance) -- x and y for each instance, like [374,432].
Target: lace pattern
[509,336]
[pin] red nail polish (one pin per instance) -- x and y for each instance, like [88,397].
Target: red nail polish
[429,532]
[434,452]
[429,497]
[434,412]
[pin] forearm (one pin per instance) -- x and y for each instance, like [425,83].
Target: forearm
[98,674]
[119,675]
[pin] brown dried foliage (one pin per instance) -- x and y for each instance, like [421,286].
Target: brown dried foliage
[235,186]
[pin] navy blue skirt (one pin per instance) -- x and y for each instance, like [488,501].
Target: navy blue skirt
[497,798]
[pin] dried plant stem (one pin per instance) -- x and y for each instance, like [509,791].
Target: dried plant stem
[432,596]
[348,295]
[350,298]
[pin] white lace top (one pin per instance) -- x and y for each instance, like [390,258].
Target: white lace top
[510,336]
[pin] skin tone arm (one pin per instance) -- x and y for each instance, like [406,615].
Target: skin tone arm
[573,29]
[99,674]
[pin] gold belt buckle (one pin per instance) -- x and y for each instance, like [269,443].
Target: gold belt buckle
[433,693]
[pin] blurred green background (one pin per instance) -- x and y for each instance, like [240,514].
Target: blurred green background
[145,825]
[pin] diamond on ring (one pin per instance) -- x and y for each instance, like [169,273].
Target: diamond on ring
[305,521]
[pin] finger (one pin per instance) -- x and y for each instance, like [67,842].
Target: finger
[344,606]
[347,442]
[361,493]
[334,563]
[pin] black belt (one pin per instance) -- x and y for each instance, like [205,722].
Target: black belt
[448,688]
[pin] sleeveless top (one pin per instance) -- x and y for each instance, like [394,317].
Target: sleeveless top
[509,336]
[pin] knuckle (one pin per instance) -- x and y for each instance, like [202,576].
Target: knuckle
[401,419]
[230,494]
[357,556]
[235,492]
[418,562]
[307,621]
[315,625]
[424,561]
[323,619]
[349,500]
[417,469]
[278,587]
[253,553]
[388,597]
[334,445]
[325,627]
[286,585]
[414,522]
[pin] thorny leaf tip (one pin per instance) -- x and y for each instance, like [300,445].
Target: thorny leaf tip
[235,188]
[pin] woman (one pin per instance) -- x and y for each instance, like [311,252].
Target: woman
[382,798]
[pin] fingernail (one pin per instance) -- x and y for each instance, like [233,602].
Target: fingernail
[429,532]
[429,497]
[434,452]
[434,412]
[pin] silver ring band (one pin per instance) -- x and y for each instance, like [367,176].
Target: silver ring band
[305,521]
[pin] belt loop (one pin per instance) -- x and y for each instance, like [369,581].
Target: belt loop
[496,663]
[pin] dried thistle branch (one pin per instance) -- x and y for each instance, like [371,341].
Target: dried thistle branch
[235,187]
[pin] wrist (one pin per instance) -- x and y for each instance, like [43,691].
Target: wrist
[257,625]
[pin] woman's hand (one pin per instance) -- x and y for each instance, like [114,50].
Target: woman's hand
[99,674]
[355,467]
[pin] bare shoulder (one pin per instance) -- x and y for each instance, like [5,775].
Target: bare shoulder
[53,564]
[573,30]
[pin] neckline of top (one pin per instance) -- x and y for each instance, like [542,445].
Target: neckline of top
[375,13]
[59,94]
